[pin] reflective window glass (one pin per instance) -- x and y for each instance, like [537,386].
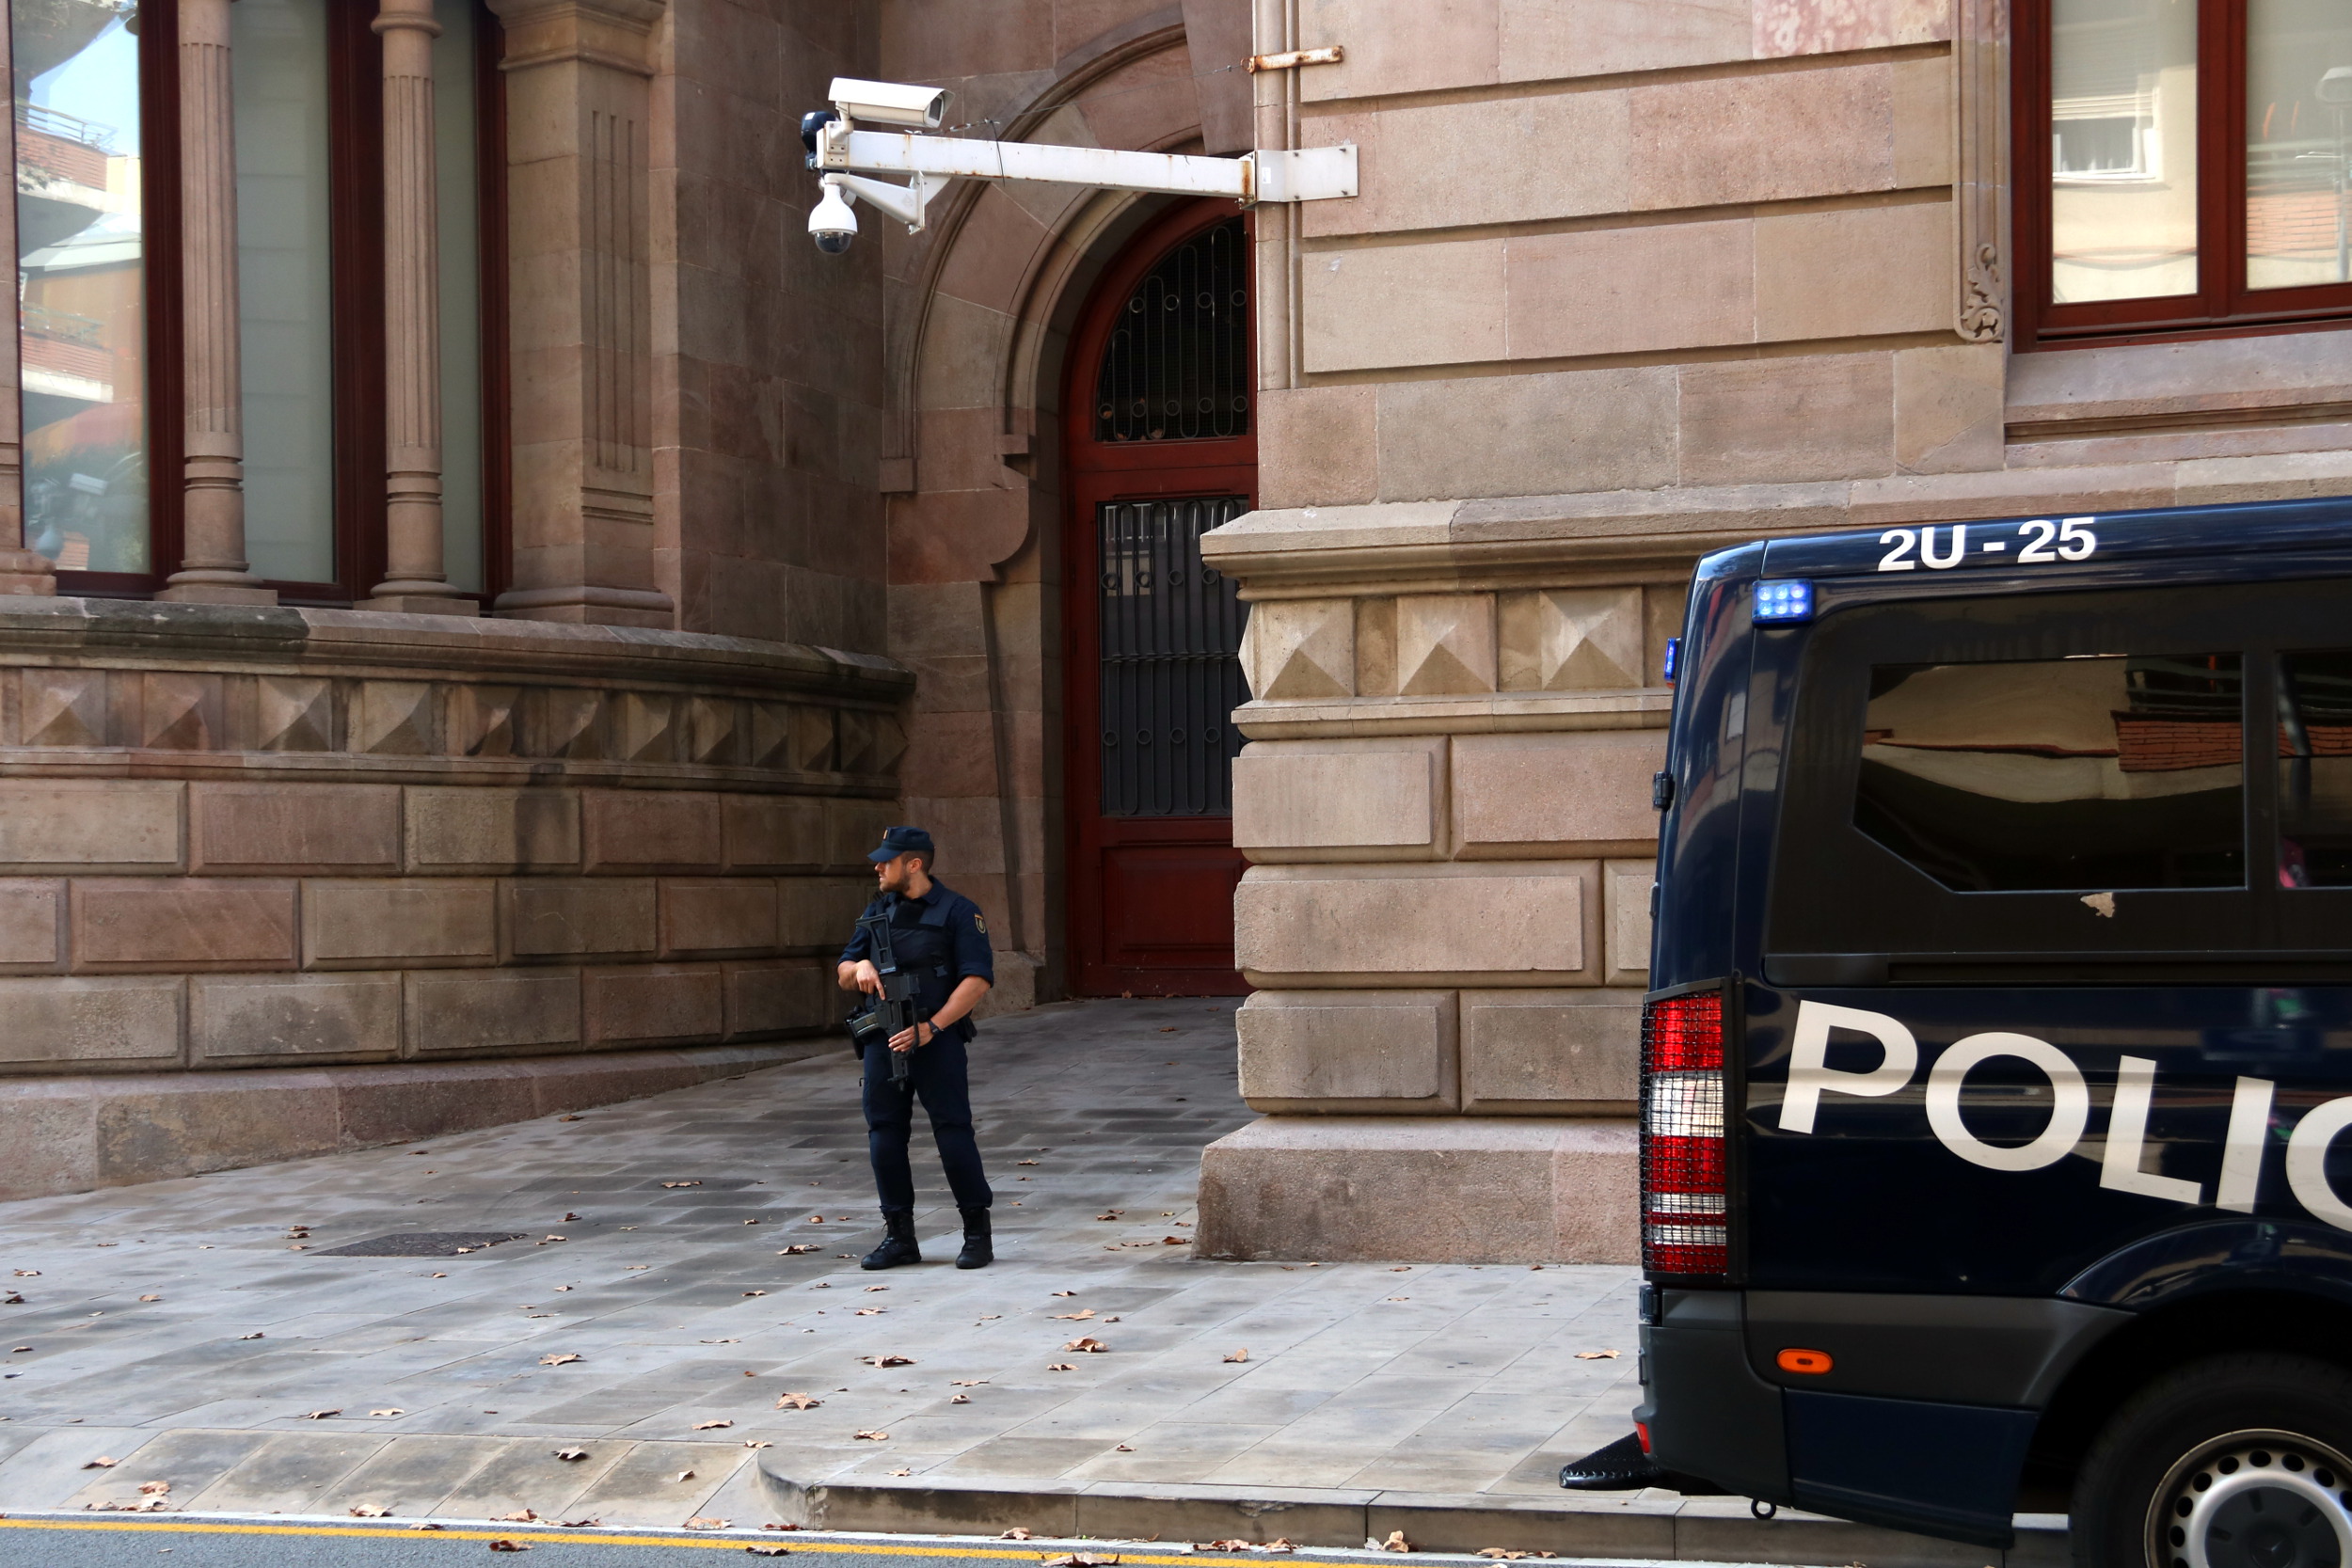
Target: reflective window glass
[458,194]
[81,279]
[2122,150]
[285,285]
[2097,773]
[2298,143]
[2315,768]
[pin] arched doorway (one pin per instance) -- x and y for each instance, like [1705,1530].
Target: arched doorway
[1161,446]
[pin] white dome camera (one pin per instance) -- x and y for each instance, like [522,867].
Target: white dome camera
[832,224]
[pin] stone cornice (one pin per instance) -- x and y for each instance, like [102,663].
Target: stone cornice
[349,641]
[1624,535]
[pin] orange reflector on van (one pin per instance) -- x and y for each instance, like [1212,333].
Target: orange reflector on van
[1811,1362]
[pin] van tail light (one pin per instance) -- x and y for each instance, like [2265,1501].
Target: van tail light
[1685,1209]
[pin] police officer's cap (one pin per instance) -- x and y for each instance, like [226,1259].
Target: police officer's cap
[902,841]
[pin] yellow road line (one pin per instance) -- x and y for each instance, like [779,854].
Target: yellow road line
[733,1543]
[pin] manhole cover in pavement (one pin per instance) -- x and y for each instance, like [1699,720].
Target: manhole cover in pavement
[427,1244]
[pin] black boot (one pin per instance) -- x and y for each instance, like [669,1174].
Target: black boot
[899,1245]
[977,1253]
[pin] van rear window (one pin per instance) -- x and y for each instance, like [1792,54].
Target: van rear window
[2100,772]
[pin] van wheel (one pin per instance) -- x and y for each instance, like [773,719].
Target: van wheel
[2236,1462]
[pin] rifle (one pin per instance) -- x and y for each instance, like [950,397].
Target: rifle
[894,1011]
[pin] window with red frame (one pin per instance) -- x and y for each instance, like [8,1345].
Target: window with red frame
[98,211]
[2183,167]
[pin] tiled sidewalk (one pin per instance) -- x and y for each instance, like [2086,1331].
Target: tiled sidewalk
[688,1326]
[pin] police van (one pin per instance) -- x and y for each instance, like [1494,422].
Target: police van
[1995,1087]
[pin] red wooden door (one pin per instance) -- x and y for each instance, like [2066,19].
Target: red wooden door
[1161,447]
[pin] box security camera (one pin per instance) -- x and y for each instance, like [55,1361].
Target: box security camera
[889,103]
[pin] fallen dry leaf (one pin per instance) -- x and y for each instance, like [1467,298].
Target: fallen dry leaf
[256,1336]
[1076,1317]
[1078,1560]
[700,1522]
[681,1183]
[1025,1162]
[561,1359]
[1088,1346]
[579,1524]
[711,1426]
[521,1516]
[757,1443]
[370,1511]
[571,1119]
[1505,1553]
[779,1526]
[19,1350]
[321,1415]
[1595,1355]
[103,1462]
[747,1294]
[1175,1240]
[797,1401]
[967,1382]
[388,1410]
[568,1218]
[751,1221]
[960,1398]
[1062,1367]
[426,1524]
[888,1360]
[903,1470]
[1016,1533]
[28,1273]
[1110,1214]
[571,1456]
[798,1247]
[1395,1542]
[1122,1448]
[150,1298]
[1242,1354]
[502,1544]
[757,1550]
[11,1299]
[154,1488]
[1065,1292]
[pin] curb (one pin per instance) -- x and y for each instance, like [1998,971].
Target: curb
[1717,1529]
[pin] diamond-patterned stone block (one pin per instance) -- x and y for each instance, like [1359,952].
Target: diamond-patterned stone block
[178,713]
[293,713]
[482,720]
[63,707]
[814,747]
[566,723]
[1445,644]
[393,719]
[1570,639]
[644,725]
[714,728]
[1295,649]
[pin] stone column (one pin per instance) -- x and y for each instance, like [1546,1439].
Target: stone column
[414,580]
[212,568]
[579,116]
[21,571]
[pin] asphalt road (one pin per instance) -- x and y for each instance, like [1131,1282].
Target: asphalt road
[55,1542]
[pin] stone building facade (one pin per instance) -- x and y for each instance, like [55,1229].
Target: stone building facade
[327,826]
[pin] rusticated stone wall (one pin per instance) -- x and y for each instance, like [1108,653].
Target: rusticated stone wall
[1445,801]
[237,838]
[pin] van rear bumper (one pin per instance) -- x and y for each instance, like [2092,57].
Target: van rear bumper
[1923,1424]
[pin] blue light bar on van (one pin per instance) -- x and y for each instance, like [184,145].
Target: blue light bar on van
[1672,662]
[1784,600]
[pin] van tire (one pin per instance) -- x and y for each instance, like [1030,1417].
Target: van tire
[2210,1441]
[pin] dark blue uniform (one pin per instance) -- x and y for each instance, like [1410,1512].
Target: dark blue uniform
[940,940]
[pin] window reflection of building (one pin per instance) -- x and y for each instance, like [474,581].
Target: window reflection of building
[2092,773]
[81,248]
[2123,149]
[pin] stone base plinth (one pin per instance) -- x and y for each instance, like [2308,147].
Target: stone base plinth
[73,1135]
[1423,1189]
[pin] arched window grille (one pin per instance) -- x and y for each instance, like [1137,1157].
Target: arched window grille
[1177,367]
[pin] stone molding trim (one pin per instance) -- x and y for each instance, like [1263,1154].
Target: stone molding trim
[110,688]
[76,1134]
[1618,535]
[1980,166]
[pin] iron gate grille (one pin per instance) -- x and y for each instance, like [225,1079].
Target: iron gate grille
[1178,364]
[1171,665]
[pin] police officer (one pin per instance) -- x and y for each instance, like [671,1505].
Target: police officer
[937,935]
